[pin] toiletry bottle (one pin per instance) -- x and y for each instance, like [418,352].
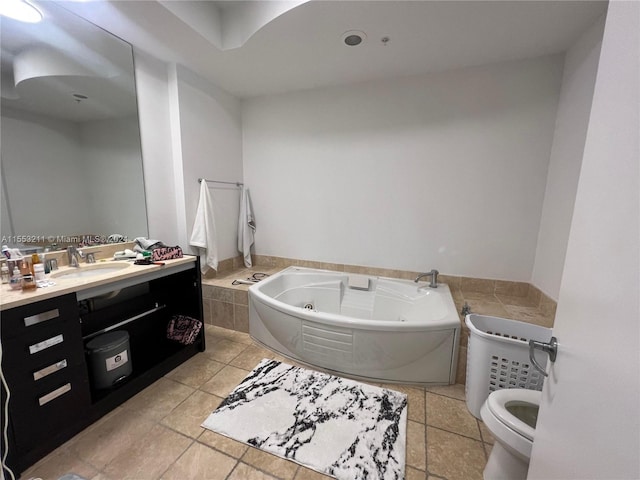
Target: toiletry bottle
[28,280]
[39,272]
[16,279]
[4,272]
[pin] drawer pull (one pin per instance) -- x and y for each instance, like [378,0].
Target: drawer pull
[50,369]
[55,394]
[41,317]
[49,342]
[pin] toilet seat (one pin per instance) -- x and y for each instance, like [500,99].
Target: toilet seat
[512,433]
[498,401]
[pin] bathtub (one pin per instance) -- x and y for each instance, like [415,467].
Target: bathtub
[390,330]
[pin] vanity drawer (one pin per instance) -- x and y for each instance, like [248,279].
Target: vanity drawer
[37,316]
[28,354]
[38,410]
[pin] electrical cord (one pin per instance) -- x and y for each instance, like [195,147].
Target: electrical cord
[5,426]
[255,278]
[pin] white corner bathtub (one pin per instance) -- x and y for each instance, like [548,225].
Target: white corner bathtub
[396,331]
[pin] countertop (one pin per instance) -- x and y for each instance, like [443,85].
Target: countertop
[15,298]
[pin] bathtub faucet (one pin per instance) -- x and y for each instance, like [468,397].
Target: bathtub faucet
[434,278]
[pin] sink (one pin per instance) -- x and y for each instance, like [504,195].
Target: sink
[90,270]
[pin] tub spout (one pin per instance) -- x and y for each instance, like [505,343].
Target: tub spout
[434,278]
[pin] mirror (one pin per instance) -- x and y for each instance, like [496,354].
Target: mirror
[71,159]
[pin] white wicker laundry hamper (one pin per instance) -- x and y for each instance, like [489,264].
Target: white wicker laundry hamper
[498,357]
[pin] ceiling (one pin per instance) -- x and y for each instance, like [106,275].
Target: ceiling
[252,48]
[65,68]
[303,47]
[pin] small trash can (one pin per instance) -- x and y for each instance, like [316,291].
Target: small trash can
[498,357]
[109,359]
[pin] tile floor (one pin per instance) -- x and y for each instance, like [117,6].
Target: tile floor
[157,433]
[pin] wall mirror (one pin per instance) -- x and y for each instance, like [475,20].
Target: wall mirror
[71,159]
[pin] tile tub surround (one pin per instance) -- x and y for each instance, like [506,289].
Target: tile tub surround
[157,433]
[226,305]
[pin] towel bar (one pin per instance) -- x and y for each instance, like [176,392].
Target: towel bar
[237,184]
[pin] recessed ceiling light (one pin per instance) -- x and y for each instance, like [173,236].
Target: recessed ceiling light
[20,10]
[353,37]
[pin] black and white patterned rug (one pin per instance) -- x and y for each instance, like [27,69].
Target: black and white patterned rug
[333,425]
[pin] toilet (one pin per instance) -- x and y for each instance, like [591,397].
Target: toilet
[510,415]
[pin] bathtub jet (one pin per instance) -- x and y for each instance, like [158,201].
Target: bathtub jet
[391,331]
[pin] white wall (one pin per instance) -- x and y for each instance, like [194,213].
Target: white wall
[442,171]
[211,147]
[152,84]
[111,153]
[589,421]
[190,129]
[580,67]
[38,170]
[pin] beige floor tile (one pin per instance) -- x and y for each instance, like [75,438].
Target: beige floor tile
[224,444]
[187,417]
[226,334]
[149,458]
[487,449]
[416,445]
[101,476]
[415,400]
[200,462]
[452,415]
[156,401]
[225,350]
[109,438]
[304,473]
[196,371]
[453,456]
[414,474]
[487,437]
[56,464]
[130,443]
[224,381]
[251,356]
[276,466]
[210,338]
[247,472]
[453,391]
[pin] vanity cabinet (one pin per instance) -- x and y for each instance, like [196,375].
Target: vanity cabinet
[43,364]
[45,360]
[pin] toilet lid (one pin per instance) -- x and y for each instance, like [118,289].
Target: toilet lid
[500,399]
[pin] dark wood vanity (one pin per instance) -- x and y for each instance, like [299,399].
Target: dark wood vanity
[44,352]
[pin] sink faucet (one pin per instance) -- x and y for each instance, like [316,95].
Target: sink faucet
[74,255]
[434,278]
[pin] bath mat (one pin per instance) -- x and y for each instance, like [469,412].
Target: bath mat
[333,425]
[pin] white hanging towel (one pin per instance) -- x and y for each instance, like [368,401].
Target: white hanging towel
[203,235]
[246,227]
